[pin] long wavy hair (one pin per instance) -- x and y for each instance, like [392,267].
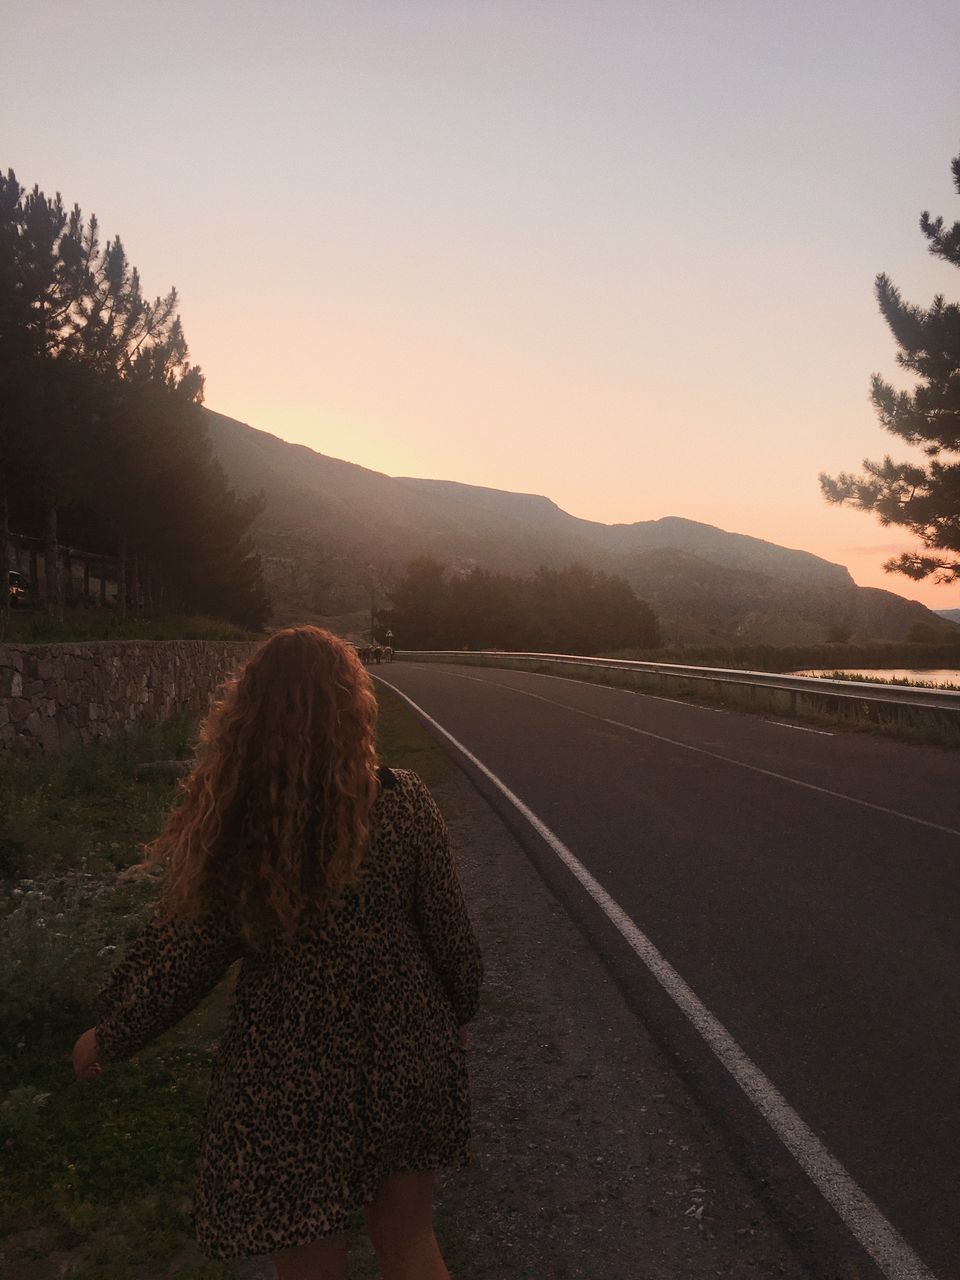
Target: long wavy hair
[274,820]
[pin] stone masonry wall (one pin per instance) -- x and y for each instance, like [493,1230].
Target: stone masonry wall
[57,696]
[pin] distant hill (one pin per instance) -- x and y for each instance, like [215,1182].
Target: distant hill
[334,535]
[951,615]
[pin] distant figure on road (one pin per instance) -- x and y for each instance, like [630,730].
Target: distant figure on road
[341,1079]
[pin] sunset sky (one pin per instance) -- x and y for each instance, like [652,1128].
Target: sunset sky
[618,253]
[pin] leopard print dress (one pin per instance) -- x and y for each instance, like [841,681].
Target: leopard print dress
[341,1060]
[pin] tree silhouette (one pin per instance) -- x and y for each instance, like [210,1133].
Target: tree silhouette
[922,497]
[571,610]
[101,435]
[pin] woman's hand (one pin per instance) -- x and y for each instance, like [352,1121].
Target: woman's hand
[85,1062]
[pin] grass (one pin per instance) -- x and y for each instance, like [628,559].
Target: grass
[76,1162]
[914,684]
[29,627]
[88,804]
[404,741]
[102,1173]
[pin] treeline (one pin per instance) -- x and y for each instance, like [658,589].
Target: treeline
[571,610]
[102,441]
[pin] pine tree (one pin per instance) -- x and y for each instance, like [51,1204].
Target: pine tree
[922,497]
[101,434]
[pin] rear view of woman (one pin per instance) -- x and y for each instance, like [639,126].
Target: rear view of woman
[340,1083]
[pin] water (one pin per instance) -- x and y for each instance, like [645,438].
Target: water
[941,675]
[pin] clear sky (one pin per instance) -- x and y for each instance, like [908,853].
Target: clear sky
[619,252]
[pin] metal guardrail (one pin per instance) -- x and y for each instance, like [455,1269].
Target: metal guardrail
[855,690]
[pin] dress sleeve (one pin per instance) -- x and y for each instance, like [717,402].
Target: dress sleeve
[441,913]
[166,971]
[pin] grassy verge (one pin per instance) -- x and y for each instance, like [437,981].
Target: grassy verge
[903,680]
[87,805]
[95,1179]
[37,628]
[404,741]
[99,1175]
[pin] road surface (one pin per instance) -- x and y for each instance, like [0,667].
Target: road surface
[802,887]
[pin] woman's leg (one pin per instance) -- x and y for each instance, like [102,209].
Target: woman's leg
[318,1260]
[400,1225]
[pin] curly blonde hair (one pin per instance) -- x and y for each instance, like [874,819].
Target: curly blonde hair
[275,818]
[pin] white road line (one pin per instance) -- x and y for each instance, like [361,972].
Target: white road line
[891,1253]
[801,728]
[598,684]
[714,755]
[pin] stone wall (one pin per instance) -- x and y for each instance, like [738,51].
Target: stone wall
[56,696]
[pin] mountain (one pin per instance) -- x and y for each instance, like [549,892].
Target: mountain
[951,615]
[334,536]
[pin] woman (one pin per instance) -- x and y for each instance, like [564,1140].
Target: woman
[340,1082]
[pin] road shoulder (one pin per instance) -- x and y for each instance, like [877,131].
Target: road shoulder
[591,1158]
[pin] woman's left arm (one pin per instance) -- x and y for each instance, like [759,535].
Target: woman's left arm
[165,973]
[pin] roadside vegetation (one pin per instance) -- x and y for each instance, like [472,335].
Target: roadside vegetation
[905,680]
[570,610]
[97,1176]
[41,628]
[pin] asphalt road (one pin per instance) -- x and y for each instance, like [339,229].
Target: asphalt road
[805,885]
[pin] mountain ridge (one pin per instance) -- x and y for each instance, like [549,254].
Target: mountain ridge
[333,531]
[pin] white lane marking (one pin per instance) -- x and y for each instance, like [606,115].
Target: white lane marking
[641,693]
[880,1238]
[801,728]
[714,755]
[598,684]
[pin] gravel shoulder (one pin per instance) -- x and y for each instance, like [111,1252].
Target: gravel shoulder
[591,1158]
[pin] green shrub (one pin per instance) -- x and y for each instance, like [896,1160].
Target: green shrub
[59,936]
[88,803]
[21,1119]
